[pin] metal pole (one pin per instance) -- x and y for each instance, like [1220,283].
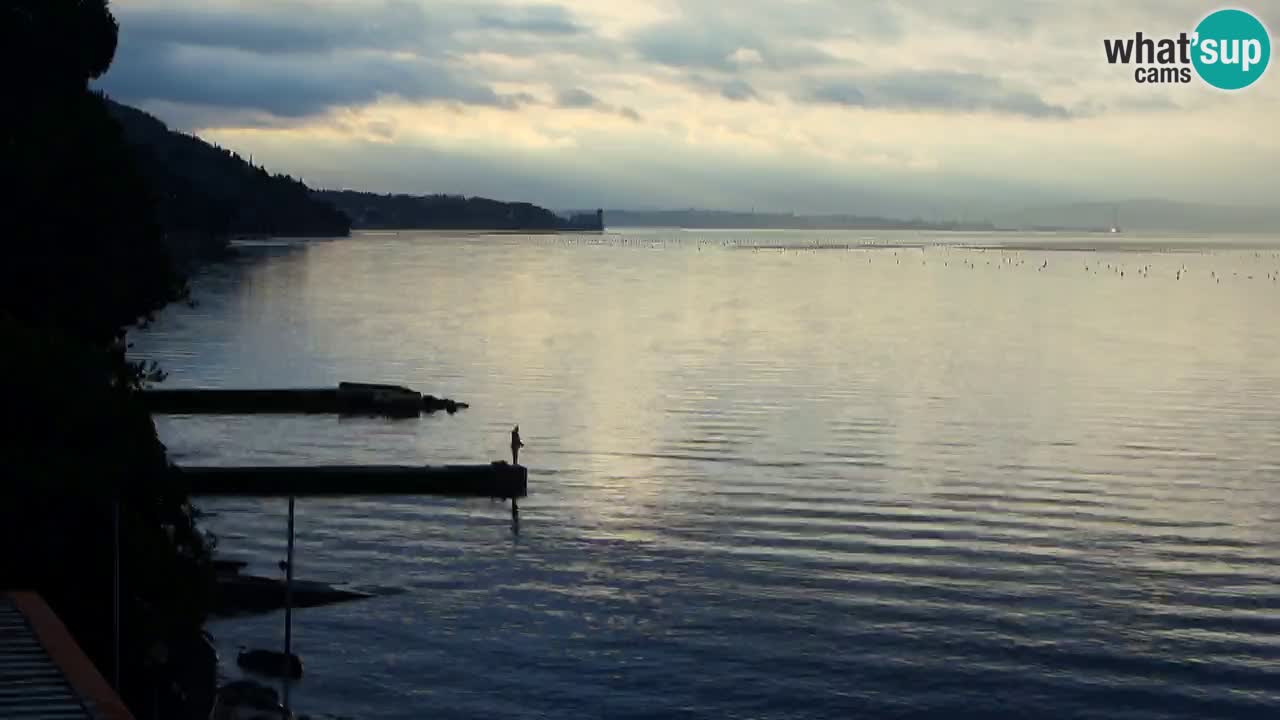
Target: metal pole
[115,591]
[288,603]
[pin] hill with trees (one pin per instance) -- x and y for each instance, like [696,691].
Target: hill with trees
[451,212]
[205,194]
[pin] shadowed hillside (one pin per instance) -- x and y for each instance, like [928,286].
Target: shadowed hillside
[451,212]
[205,193]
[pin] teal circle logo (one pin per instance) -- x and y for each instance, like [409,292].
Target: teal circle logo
[1232,49]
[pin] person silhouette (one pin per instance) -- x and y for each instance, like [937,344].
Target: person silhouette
[516,444]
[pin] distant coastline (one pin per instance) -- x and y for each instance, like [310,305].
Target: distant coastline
[1127,216]
[372,211]
[733,220]
[695,219]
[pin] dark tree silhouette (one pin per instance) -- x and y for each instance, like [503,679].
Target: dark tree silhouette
[83,259]
[452,212]
[204,192]
[85,34]
[85,252]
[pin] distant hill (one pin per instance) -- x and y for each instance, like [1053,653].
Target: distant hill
[719,219]
[1148,215]
[451,212]
[206,194]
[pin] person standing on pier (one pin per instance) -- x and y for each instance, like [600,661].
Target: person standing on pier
[516,444]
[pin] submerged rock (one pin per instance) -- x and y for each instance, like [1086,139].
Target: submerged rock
[238,594]
[271,663]
[247,700]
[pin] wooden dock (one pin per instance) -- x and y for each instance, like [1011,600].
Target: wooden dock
[43,672]
[495,480]
[346,399]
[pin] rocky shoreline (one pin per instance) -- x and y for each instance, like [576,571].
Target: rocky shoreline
[238,594]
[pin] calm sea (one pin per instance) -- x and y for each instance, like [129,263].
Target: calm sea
[772,474]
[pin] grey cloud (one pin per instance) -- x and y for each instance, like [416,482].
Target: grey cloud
[300,26]
[684,47]
[533,19]
[283,85]
[1138,104]
[191,117]
[941,91]
[579,99]
[1146,103]
[521,98]
[300,57]
[713,47]
[738,89]
[989,17]
[870,21]
[281,29]
[838,93]
[727,86]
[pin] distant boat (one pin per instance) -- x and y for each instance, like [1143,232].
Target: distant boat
[1115,223]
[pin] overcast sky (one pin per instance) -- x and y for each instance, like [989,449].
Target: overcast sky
[915,107]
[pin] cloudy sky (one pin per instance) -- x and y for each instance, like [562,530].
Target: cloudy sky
[910,107]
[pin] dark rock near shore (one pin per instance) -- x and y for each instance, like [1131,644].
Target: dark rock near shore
[271,663]
[225,566]
[247,594]
[247,700]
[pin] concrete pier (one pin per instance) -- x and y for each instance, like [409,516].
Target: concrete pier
[495,480]
[347,398]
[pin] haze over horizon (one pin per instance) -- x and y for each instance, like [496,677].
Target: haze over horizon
[903,109]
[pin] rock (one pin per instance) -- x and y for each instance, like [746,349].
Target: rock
[247,700]
[271,663]
[223,566]
[431,403]
[238,594]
